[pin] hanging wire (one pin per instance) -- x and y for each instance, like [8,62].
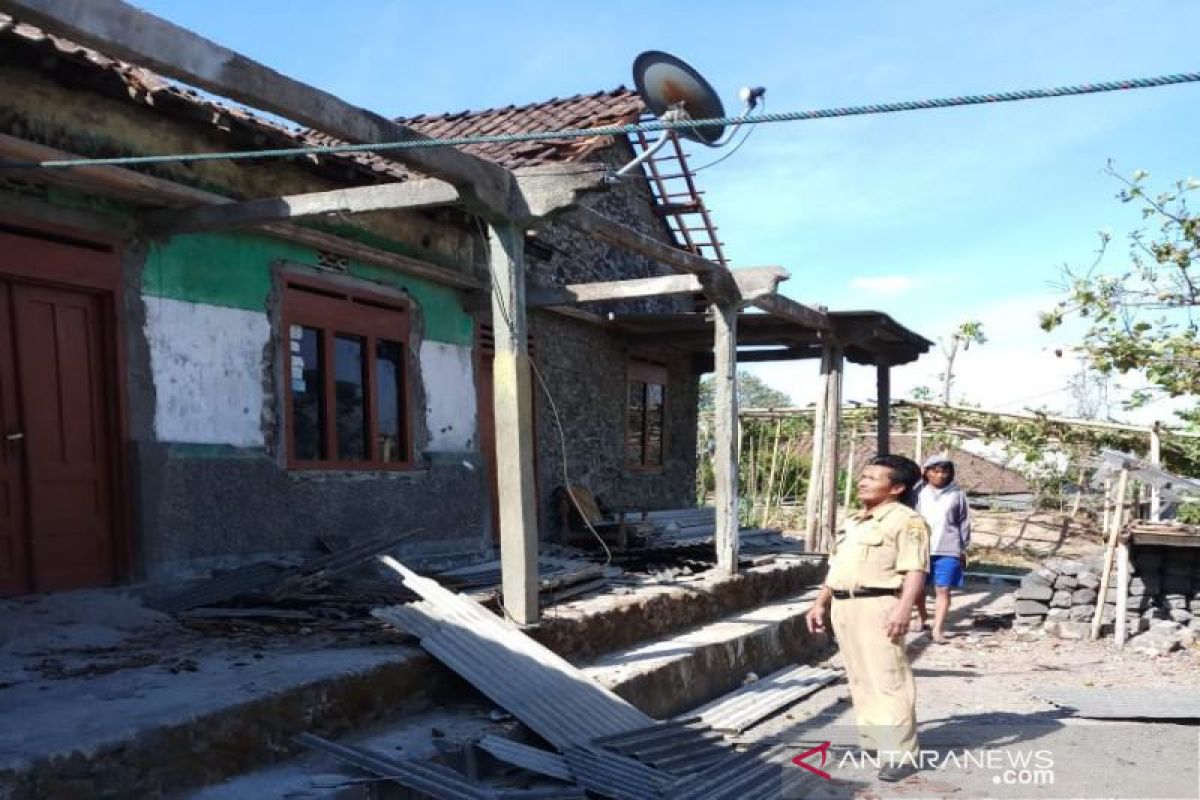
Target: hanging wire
[625,130]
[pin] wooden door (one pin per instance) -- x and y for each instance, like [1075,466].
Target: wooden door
[14,559]
[65,452]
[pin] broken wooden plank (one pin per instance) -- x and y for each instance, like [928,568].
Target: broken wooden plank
[408,195]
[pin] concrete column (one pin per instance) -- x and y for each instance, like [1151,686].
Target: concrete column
[725,422]
[514,426]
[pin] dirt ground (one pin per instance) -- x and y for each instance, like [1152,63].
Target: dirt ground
[982,692]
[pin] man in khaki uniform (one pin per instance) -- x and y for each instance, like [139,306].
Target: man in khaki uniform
[876,574]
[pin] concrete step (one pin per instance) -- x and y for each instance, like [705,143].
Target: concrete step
[149,731]
[666,677]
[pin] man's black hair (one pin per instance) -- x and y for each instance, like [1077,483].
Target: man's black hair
[904,472]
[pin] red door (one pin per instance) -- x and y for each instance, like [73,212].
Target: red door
[56,520]
[14,577]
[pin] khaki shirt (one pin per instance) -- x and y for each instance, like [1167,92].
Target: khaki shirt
[877,548]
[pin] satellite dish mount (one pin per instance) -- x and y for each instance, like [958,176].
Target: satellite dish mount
[675,92]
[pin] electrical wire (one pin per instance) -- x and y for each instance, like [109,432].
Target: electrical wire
[735,148]
[625,130]
[562,436]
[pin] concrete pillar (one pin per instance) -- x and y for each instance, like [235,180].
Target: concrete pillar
[514,426]
[725,425]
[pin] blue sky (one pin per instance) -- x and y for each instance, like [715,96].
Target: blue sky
[935,217]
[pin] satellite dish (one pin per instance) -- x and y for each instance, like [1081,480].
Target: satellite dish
[668,86]
[673,92]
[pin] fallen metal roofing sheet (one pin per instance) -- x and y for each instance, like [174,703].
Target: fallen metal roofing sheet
[755,773]
[1160,703]
[534,759]
[538,687]
[616,776]
[754,702]
[434,780]
[679,747]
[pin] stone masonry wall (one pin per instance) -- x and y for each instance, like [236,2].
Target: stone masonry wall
[1162,608]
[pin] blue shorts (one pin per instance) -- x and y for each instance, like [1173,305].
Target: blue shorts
[945,571]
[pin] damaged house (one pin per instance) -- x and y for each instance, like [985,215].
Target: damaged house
[182,392]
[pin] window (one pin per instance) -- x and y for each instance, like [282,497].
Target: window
[348,387]
[645,412]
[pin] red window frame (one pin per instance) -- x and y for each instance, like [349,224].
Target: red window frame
[647,374]
[335,310]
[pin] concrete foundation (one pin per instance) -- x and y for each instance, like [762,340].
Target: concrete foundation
[145,731]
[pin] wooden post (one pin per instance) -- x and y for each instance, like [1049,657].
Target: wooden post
[1122,592]
[883,394]
[919,449]
[830,452]
[812,496]
[850,470]
[725,419]
[514,426]
[1155,460]
[1106,515]
[1110,550]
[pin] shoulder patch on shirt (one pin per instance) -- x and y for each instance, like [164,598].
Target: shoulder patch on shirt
[916,528]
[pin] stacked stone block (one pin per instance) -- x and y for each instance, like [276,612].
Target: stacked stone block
[1162,608]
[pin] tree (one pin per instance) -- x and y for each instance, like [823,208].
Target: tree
[1141,318]
[962,338]
[1090,392]
[753,392]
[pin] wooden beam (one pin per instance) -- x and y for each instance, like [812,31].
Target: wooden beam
[883,401]
[119,30]
[778,305]
[725,421]
[134,187]
[1114,534]
[513,400]
[817,462]
[408,195]
[752,280]
[1155,460]
[703,362]
[573,294]
[718,283]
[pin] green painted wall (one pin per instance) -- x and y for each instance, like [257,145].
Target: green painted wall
[234,270]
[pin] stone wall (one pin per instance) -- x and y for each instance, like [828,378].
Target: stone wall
[1162,607]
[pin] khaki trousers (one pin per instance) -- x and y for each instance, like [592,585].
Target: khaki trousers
[881,681]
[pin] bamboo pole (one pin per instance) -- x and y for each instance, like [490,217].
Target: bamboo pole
[919,451]
[766,513]
[1110,550]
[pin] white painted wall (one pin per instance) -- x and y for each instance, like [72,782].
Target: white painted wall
[450,412]
[207,364]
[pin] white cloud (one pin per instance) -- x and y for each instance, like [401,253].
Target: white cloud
[883,284]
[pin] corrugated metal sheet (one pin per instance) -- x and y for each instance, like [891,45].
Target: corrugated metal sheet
[616,776]
[742,709]
[434,780]
[679,747]
[1161,703]
[756,773]
[534,759]
[531,682]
